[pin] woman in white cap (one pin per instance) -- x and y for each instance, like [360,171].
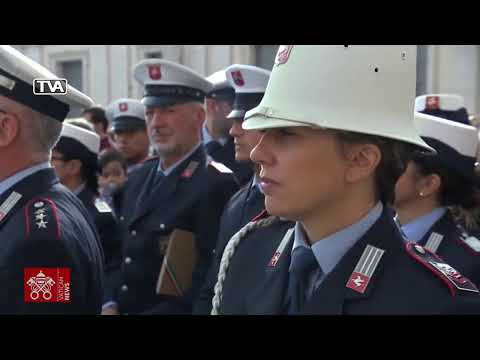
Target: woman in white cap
[431,184]
[338,129]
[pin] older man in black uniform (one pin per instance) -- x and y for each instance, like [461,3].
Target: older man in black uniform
[51,258]
[219,145]
[178,190]
[75,161]
[249,83]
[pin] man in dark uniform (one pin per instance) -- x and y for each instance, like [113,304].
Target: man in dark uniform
[445,106]
[129,131]
[249,200]
[50,258]
[75,161]
[178,190]
[219,145]
[329,161]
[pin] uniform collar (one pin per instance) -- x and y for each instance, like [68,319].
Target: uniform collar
[168,171]
[14,179]
[79,189]
[330,250]
[416,229]
[256,182]
[207,138]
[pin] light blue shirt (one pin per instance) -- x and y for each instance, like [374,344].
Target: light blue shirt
[14,179]
[207,138]
[416,229]
[330,250]
[256,182]
[168,171]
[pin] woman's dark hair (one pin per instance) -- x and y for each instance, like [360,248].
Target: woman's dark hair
[111,155]
[395,157]
[455,190]
[97,115]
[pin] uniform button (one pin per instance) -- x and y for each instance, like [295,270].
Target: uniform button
[124,288]
[134,233]
[128,260]
[122,218]
[162,226]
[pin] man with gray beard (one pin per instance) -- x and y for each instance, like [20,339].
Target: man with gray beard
[179,189]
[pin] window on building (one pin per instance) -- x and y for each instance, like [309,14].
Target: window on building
[72,70]
[265,56]
[153,55]
[422,64]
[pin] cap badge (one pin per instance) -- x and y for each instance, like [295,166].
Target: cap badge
[432,103]
[123,107]
[238,78]
[154,72]
[283,54]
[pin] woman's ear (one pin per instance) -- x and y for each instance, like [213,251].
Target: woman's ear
[362,161]
[429,185]
[9,129]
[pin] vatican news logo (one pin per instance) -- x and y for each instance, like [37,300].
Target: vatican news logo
[51,285]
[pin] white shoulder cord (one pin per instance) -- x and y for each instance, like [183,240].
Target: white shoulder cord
[228,254]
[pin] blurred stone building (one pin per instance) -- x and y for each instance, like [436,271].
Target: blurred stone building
[104,72]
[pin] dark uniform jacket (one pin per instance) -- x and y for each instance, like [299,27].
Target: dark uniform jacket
[404,282]
[455,246]
[106,226]
[239,211]
[48,228]
[191,198]
[226,155]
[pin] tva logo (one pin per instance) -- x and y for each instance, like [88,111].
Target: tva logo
[50,86]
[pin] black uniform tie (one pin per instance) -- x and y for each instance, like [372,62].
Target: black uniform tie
[302,265]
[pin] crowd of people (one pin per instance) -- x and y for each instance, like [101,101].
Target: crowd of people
[323,186]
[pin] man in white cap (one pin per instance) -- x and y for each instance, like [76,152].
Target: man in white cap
[433,183]
[249,83]
[445,106]
[129,129]
[177,190]
[74,159]
[219,145]
[338,130]
[51,257]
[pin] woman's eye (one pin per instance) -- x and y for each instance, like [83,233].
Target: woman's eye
[284,132]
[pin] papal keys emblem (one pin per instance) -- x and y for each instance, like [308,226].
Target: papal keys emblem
[40,284]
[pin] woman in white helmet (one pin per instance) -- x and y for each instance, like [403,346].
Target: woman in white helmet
[433,183]
[338,130]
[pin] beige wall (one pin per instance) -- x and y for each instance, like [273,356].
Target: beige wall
[108,68]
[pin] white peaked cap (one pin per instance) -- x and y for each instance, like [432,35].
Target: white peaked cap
[444,102]
[247,78]
[89,139]
[17,74]
[463,138]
